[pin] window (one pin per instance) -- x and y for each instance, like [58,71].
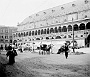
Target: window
[1,40]
[48,31]
[62,8]
[69,28]
[86,1]
[58,37]
[53,11]
[69,36]
[51,30]
[47,37]
[64,29]
[10,36]
[6,37]
[37,38]
[6,31]
[82,26]
[26,33]
[18,35]
[1,30]
[64,37]
[73,5]
[32,33]
[6,40]
[81,35]
[29,33]
[42,31]
[21,34]
[38,32]
[44,12]
[59,29]
[2,36]
[88,25]
[75,27]
[56,30]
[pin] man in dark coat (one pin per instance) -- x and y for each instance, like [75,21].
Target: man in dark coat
[66,50]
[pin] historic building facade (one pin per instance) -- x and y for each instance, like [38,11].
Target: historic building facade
[6,36]
[56,25]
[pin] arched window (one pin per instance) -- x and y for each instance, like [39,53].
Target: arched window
[13,35]
[88,25]
[47,30]
[69,36]
[64,29]
[38,32]
[16,34]
[58,37]
[24,34]
[29,33]
[56,30]
[41,38]
[19,35]
[51,30]
[44,31]
[69,28]
[59,29]
[65,36]
[82,26]
[47,37]
[29,39]
[52,38]
[32,33]
[75,27]
[37,38]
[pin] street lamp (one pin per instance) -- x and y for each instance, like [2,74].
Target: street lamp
[73,35]
[33,46]
[51,42]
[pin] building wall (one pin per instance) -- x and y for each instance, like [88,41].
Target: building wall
[56,24]
[6,35]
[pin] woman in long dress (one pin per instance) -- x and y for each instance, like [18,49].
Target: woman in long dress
[11,54]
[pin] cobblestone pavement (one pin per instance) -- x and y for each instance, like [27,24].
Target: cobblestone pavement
[53,65]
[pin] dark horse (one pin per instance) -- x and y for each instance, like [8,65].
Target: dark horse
[61,50]
[44,49]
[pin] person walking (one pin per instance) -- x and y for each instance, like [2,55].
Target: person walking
[11,53]
[66,50]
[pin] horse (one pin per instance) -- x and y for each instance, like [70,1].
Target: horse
[61,50]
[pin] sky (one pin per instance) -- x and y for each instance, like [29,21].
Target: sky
[13,12]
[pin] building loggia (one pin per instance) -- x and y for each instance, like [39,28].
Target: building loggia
[55,25]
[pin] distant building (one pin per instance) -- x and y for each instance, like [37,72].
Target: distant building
[55,25]
[6,35]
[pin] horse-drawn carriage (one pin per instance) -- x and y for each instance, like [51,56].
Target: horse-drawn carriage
[44,49]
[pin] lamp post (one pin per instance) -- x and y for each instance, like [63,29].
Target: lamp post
[33,46]
[51,42]
[73,35]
